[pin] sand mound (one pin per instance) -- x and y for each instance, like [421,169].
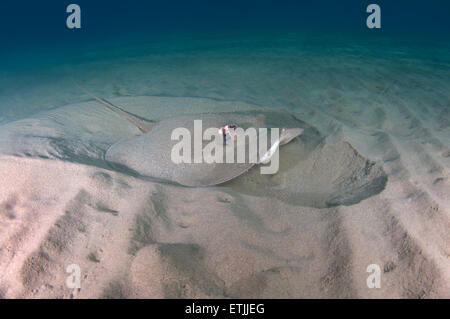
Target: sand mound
[324,176]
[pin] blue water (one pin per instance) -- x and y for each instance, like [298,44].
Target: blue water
[40,25]
[128,45]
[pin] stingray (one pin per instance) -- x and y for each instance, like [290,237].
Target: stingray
[149,154]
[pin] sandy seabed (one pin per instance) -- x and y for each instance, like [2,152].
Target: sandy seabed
[371,188]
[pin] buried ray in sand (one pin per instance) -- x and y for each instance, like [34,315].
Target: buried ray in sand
[135,232]
[336,175]
[152,154]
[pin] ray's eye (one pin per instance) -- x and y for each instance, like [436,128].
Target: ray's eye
[227,131]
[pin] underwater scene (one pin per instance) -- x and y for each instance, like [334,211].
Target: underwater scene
[117,121]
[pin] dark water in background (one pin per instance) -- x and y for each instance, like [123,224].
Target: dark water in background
[172,38]
[36,29]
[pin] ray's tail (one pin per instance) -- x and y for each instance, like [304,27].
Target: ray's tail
[141,124]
